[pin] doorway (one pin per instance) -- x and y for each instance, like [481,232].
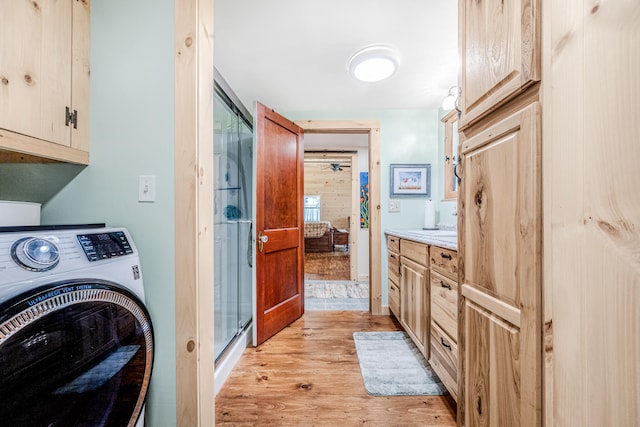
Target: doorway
[331,214]
[333,278]
[368,130]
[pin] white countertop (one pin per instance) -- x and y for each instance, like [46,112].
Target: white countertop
[443,238]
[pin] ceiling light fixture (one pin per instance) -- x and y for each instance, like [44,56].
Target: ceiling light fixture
[374,63]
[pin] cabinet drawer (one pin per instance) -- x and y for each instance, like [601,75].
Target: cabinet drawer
[444,304]
[393,266]
[417,252]
[444,359]
[445,261]
[393,243]
[394,299]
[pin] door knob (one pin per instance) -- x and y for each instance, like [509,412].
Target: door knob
[262,239]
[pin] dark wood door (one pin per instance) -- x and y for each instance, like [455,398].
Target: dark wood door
[279,223]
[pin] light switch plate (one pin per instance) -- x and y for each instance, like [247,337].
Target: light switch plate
[147,188]
[394,205]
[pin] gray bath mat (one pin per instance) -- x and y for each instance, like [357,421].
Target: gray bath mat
[391,365]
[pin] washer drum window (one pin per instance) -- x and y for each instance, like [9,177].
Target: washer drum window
[74,353]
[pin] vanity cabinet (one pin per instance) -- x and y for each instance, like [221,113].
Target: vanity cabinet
[444,316]
[424,298]
[44,80]
[408,279]
[393,279]
[414,291]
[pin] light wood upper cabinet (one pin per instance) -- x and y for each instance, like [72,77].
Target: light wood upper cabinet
[500,51]
[44,78]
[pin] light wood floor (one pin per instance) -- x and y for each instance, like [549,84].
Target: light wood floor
[308,375]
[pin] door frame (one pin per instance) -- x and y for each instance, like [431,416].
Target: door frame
[372,129]
[193,192]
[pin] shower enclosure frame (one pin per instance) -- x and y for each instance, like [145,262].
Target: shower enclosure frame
[233,219]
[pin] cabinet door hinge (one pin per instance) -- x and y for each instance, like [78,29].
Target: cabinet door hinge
[71,117]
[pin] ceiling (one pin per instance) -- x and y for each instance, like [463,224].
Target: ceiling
[292,54]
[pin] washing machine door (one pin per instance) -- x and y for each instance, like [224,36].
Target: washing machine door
[74,353]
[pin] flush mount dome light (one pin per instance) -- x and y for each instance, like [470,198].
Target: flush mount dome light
[374,63]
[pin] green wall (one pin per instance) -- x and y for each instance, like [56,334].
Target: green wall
[406,136]
[132,133]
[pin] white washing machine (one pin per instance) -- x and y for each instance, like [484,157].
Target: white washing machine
[76,341]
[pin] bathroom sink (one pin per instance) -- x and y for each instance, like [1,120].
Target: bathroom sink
[434,233]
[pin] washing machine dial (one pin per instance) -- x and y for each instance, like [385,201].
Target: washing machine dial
[35,253]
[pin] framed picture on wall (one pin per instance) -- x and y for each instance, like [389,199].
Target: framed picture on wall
[410,180]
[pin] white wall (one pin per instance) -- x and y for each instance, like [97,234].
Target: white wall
[132,133]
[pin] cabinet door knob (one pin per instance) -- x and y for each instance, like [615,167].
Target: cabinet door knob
[455,172]
[445,285]
[445,256]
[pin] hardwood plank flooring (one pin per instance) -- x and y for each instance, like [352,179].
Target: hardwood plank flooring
[308,375]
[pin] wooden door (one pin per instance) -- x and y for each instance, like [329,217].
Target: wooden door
[499,44]
[414,308]
[279,223]
[500,274]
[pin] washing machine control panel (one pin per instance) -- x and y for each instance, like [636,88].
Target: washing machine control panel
[99,246]
[35,253]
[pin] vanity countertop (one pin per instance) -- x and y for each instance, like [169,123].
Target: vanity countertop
[443,238]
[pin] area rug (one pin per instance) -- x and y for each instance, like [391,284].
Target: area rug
[392,365]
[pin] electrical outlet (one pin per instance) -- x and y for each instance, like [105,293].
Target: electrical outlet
[394,205]
[147,188]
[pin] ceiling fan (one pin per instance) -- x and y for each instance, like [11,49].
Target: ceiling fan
[333,164]
[337,167]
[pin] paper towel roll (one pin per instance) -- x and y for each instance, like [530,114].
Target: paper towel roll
[429,215]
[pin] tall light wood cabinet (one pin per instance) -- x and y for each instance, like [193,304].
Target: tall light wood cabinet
[501,277]
[500,208]
[44,78]
[577,174]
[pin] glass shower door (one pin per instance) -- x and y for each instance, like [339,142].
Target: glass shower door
[232,223]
